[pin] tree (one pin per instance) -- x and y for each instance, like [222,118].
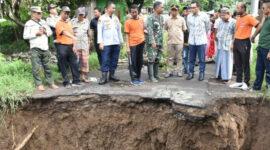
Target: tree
[141,3]
[18,11]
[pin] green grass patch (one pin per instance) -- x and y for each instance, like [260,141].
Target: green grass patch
[17,83]
[93,61]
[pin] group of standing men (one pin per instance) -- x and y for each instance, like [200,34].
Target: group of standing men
[186,39]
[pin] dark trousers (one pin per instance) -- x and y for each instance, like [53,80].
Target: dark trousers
[241,54]
[110,55]
[185,57]
[136,61]
[193,51]
[262,65]
[98,52]
[67,58]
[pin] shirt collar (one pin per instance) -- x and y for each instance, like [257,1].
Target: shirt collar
[199,13]
[177,17]
[77,20]
[109,16]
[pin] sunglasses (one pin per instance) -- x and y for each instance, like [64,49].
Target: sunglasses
[39,13]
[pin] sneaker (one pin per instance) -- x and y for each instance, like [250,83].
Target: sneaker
[168,75]
[253,90]
[136,83]
[179,74]
[76,84]
[236,85]
[141,81]
[244,87]
[68,86]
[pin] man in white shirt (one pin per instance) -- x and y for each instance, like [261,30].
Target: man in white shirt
[109,39]
[37,32]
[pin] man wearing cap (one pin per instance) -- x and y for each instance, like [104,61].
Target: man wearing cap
[225,35]
[175,26]
[198,26]
[110,39]
[37,32]
[81,29]
[53,18]
[155,24]
[66,48]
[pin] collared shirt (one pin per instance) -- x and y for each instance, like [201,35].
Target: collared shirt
[51,21]
[109,30]
[154,27]
[175,28]
[59,28]
[30,30]
[82,32]
[93,26]
[198,27]
[225,34]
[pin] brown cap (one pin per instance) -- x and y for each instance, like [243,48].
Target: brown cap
[175,7]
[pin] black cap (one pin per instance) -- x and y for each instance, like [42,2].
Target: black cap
[52,6]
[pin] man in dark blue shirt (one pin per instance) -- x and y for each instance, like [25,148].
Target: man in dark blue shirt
[93,26]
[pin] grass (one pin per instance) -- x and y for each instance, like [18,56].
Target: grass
[16,83]
[93,62]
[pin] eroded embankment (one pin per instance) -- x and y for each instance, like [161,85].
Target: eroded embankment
[128,122]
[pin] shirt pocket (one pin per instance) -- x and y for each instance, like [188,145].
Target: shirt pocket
[107,26]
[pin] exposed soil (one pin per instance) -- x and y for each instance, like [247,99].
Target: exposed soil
[116,123]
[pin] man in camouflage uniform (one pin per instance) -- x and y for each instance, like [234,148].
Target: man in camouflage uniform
[154,27]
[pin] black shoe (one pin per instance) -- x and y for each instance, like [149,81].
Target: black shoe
[112,77]
[201,78]
[103,79]
[185,72]
[189,77]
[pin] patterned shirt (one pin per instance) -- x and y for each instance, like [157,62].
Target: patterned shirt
[81,31]
[225,34]
[198,27]
[155,29]
[109,30]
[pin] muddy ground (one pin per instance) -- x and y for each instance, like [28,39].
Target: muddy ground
[131,123]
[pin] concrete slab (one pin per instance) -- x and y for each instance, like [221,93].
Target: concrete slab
[180,91]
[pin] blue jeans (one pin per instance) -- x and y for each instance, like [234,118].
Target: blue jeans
[185,57]
[262,65]
[110,55]
[193,51]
